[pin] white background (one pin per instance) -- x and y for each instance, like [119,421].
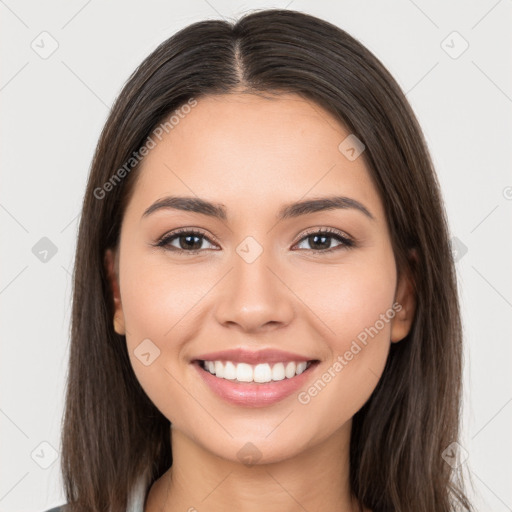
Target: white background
[53,110]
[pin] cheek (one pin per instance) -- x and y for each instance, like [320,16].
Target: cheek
[157,305]
[353,301]
[360,310]
[357,308]
[157,298]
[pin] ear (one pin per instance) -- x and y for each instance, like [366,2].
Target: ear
[111,266]
[405,296]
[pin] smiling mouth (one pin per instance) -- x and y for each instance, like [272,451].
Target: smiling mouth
[258,374]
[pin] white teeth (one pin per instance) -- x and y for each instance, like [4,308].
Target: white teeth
[301,367]
[243,372]
[260,373]
[278,371]
[289,371]
[229,370]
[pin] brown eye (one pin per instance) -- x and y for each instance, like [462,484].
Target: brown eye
[190,241]
[320,241]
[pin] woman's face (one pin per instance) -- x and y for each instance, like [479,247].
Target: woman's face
[259,280]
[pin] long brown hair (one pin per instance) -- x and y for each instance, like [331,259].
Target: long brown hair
[112,432]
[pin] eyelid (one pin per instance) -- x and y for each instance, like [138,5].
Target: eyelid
[326,230]
[191,230]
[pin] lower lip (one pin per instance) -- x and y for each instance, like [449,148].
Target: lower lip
[252,394]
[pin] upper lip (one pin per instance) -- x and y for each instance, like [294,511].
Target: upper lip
[242,355]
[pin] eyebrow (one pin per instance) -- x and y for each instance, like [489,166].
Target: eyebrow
[288,211]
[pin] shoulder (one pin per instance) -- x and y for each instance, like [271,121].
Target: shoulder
[61,508]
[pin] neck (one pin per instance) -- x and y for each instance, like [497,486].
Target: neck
[316,478]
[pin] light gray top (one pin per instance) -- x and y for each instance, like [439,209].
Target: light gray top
[138,495]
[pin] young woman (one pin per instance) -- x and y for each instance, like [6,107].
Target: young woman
[265,309]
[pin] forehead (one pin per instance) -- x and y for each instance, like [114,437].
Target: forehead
[253,150]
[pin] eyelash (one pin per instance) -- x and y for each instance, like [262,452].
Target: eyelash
[346,242]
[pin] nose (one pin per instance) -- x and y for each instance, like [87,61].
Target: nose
[254,297]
